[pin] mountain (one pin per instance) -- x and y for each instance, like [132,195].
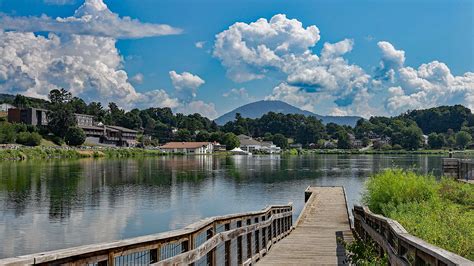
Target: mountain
[257,109]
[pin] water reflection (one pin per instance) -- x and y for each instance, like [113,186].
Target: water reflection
[46,205]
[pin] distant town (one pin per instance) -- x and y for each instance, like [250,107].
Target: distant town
[68,120]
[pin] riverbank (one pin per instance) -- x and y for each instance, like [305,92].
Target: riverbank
[439,212]
[26,153]
[340,151]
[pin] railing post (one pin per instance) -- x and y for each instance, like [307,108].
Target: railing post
[249,241]
[264,234]
[211,256]
[227,258]
[270,228]
[257,238]
[155,254]
[239,245]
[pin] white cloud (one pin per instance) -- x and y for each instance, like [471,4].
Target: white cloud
[392,60]
[92,18]
[249,50]
[240,93]
[430,85]
[87,66]
[282,48]
[186,83]
[205,109]
[200,44]
[60,2]
[137,79]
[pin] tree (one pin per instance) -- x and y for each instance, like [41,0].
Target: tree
[183,135]
[7,133]
[203,136]
[462,139]
[412,138]
[78,105]
[75,136]
[435,141]
[280,140]
[61,114]
[29,139]
[230,140]
[343,141]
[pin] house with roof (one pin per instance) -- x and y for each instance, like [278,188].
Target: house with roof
[188,147]
[252,145]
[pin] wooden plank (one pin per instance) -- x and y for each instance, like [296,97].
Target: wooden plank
[314,239]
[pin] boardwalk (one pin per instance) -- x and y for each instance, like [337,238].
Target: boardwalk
[313,241]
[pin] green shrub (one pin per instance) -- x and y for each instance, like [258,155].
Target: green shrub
[28,139]
[393,187]
[439,212]
[75,136]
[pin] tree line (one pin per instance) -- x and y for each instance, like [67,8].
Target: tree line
[445,126]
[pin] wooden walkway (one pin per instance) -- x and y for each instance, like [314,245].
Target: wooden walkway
[314,239]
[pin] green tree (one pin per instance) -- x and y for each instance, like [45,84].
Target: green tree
[183,135]
[462,139]
[435,141]
[61,114]
[75,136]
[230,140]
[7,133]
[343,141]
[412,138]
[203,136]
[280,140]
[28,139]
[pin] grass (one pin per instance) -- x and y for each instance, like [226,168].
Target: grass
[439,212]
[25,153]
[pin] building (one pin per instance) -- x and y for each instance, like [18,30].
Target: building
[126,136]
[29,116]
[252,145]
[188,147]
[96,133]
[5,106]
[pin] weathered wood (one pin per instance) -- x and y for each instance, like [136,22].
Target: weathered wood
[204,249]
[462,169]
[398,243]
[314,238]
[98,252]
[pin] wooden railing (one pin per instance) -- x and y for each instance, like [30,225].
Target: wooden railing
[221,240]
[401,247]
[458,168]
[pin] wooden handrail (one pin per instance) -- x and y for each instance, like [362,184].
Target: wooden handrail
[401,247]
[169,248]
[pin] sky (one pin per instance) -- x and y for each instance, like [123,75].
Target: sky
[330,57]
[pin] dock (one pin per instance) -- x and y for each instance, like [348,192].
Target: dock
[323,220]
[265,237]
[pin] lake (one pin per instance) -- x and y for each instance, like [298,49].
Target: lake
[46,205]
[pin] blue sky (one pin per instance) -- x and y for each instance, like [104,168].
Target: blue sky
[381,79]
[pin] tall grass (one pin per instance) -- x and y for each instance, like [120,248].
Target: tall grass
[440,212]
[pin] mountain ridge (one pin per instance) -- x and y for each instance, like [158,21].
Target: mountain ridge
[259,108]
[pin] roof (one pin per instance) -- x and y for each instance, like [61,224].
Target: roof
[91,127]
[248,142]
[184,145]
[123,129]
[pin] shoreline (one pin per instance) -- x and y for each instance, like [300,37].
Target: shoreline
[32,153]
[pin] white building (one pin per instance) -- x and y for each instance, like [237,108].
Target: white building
[188,147]
[5,106]
[251,145]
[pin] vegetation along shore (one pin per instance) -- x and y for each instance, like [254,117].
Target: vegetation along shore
[437,211]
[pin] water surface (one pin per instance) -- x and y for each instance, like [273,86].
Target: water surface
[46,205]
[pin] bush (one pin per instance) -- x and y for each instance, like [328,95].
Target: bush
[75,136]
[29,139]
[438,212]
[393,187]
